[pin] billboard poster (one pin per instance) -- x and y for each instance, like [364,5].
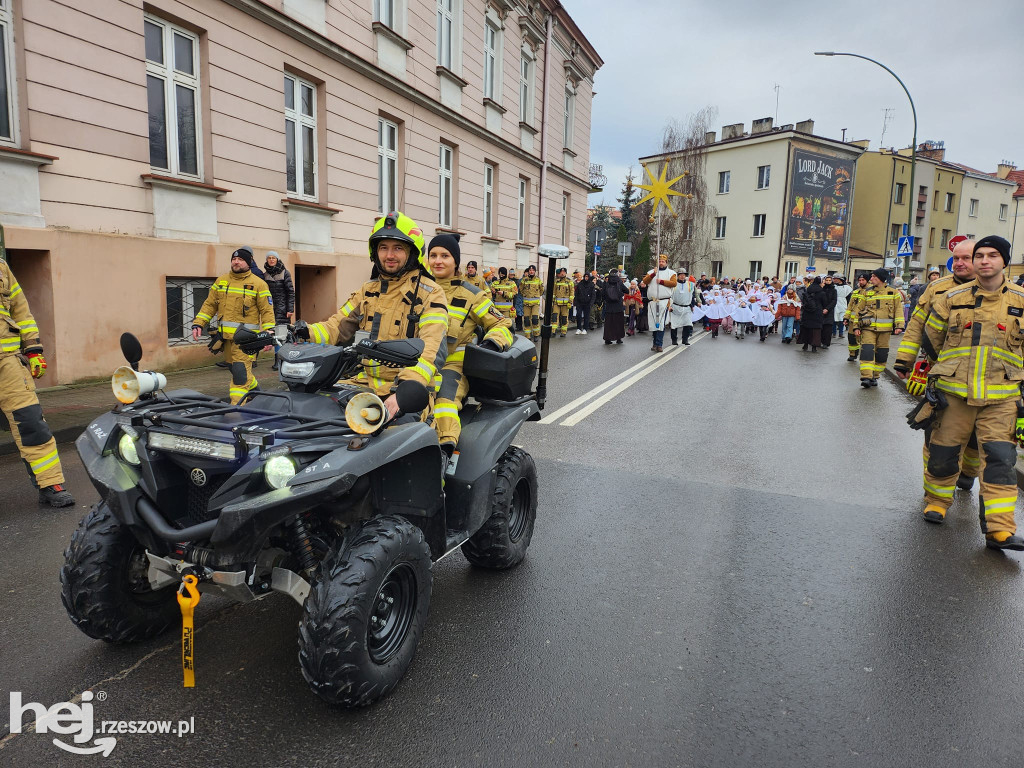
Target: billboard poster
[819,196]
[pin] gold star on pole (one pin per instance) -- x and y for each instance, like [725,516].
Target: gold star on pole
[659,189]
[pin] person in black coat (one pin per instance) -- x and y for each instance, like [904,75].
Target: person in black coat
[828,305]
[811,316]
[282,291]
[584,300]
[614,318]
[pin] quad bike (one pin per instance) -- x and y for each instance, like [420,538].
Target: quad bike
[313,492]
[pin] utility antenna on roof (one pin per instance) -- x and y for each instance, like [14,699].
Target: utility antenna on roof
[889,112]
[777,87]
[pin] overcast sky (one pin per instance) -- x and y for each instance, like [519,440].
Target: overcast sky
[962,62]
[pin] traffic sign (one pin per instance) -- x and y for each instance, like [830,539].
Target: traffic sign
[597,249]
[625,249]
[955,241]
[949,263]
[906,246]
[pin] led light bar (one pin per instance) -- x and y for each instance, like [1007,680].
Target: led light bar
[193,446]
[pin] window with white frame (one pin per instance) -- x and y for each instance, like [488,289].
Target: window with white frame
[719,227]
[791,269]
[384,12]
[492,61]
[950,199]
[755,270]
[687,229]
[8,120]
[521,231]
[565,218]
[185,297]
[901,190]
[759,220]
[445,32]
[300,136]
[444,185]
[723,182]
[490,174]
[526,89]
[764,174]
[387,165]
[716,270]
[570,114]
[1003,210]
[172,85]
[973,210]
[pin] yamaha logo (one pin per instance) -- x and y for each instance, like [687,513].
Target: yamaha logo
[198,477]
[292,354]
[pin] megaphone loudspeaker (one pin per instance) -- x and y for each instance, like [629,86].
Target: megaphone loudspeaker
[129,385]
[365,413]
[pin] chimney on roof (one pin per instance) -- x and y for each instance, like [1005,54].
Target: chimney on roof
[933,150]
[862,143]
[732,131]
[709,137]
[805,126]
[764,125]
[1004,169]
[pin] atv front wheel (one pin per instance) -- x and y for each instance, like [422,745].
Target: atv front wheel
[365,613]
[104,584]
[504,538]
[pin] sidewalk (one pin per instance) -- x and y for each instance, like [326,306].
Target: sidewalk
[69,409]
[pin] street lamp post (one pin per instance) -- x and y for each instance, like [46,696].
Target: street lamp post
[913,146]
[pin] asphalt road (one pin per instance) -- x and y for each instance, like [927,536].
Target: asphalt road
[728,569]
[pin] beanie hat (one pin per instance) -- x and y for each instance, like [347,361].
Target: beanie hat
[564,271]
[502,272]
[881,274]
[450,243]
[470,263]
[1001,244]
[244,253]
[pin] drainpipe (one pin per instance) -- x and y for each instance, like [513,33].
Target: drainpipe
[542,186]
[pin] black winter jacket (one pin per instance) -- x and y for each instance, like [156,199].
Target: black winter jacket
[279,281]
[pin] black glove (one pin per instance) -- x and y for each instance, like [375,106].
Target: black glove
[901,367]
[490,344]
[301,330]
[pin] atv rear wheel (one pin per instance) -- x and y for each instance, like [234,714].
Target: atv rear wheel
[365,613]
[104,584]
[503,539]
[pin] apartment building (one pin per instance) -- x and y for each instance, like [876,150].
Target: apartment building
[143,142]
[775,197]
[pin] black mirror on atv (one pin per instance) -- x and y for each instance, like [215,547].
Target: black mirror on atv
[131,348]
[412,396]
[400,353]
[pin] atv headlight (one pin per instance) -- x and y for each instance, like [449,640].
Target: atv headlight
[278,471]
[297,370]
[126,447]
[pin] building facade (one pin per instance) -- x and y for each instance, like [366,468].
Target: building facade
[144,142]
[776,199]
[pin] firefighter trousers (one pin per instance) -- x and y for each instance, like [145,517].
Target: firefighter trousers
[969,461]
[874,351]
[451,395]
[29,429]
[240,365]
[852,341]
[994,424]
[531,318]
[561,318]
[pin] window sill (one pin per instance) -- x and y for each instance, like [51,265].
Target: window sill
[172,182]
[528,127]
[523,245]
[448,231]
[489,239]
[383,29]
[568,151]
[761,189]
[489,102]
[300,203]
[446,73]
[25,156]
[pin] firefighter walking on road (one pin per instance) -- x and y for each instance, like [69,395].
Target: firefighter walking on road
[562,297]
[852,339]
[503,292]
[911,345]
[243,301]
[21,360]
[876,315]
[531,289]
[978,332]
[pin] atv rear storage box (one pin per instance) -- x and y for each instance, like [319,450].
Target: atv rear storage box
[504,375]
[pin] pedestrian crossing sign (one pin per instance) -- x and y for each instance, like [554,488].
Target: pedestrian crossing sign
[906,246]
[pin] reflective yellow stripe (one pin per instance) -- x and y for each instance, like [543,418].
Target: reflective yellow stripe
[346,310]
[531,302]
[318,333]
[460,312]
[425,369]
[265,294]
[15,290]
[456,357]
[446,412]
[942,491]
[483,308]
[908,348]
[45,462]
[954,352]
[952,387]
[1001,391]
[881,323]
[980,366]
[10,343]
[934,322]
[434,318]
[971,461]
[1008,356]
[204,317]
[1000,506]
[503,333]
[920,312]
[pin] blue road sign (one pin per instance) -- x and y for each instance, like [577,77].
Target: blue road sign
[905,246]
[597,249]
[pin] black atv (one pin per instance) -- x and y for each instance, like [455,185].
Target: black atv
[313,492]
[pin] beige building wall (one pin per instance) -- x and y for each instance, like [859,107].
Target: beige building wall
[99,231]
[987,216]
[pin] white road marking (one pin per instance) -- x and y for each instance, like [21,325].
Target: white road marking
[576,418]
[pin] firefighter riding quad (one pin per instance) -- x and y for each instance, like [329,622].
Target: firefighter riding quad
[313,492]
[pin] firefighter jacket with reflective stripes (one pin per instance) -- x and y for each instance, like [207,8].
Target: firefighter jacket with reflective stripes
[852,303]
[411,306]
[978,335]
[532,289]
[18,330]
[469,307]
[565,291]
[910,344]
[503,291]
[242,300]
[877,309]
[479,282]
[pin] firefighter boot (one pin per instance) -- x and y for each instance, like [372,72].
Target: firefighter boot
[1004,540]
[933,513]
[56,496]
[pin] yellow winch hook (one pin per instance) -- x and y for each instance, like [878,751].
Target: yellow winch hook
[187,603]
